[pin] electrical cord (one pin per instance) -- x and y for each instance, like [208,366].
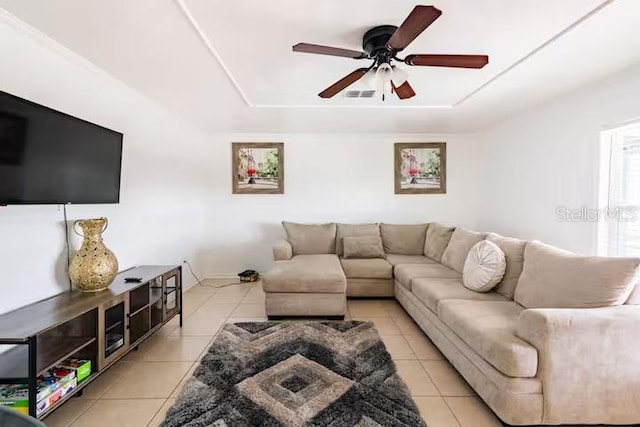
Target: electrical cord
[207,286]
[192,273]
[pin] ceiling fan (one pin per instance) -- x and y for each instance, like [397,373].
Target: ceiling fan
[382,44]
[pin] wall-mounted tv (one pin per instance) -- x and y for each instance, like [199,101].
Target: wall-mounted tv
[48,157]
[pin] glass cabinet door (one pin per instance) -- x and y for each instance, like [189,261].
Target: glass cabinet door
[113,330]
[156,302]
[172,293]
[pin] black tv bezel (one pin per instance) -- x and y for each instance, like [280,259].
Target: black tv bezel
[66,202]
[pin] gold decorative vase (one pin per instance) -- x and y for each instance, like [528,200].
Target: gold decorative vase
[94,266]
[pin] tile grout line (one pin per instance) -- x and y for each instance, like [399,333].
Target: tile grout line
[243,299]
[451,410]
[157,412]
[76,418]
[197,361]
[165,400]
[207,346]
[428,375]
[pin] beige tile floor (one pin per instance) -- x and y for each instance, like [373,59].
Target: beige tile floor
[138,390]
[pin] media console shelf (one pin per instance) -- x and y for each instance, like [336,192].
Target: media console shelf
[101,327]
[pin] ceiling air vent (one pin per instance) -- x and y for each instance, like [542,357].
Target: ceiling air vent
[359,94]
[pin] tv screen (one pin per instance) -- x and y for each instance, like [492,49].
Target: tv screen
[48,157]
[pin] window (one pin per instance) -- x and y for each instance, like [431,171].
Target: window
[619,234]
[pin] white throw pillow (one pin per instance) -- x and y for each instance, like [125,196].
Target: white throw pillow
[484,267]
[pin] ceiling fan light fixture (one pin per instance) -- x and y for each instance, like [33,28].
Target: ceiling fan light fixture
[381,45]
[400,76]
[384,75]
[370,79]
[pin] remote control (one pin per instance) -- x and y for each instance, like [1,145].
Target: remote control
[133,279]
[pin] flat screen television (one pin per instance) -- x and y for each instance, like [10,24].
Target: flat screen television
[48,157]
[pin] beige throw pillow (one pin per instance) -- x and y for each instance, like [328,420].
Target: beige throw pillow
[484,267]
[462,240]
[403,239]
[355,230]
[363,247]
[311,238]
[437,240]
[553,278]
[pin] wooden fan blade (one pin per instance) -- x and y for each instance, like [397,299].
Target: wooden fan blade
[328,50]
[404,91]
[417,21]
[344,83]
[456,61]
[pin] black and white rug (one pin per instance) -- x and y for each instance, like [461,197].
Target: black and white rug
[295,374]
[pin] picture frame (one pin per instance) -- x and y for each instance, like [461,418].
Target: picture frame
[257,167]
[420,168]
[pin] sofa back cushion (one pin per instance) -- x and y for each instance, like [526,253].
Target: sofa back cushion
[354,230]
[553,278]
[634,298]
[363,247]
[514,255]
[462,240]
[309,239]
[403,239]
[437,240]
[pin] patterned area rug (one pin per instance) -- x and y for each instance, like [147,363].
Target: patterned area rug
[295,374]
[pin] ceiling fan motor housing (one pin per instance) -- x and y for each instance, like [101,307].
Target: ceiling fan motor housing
[375,40]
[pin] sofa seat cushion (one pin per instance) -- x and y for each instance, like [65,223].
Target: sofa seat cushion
[489,327]
[306,273]
[406,273]
[367,268]
[431,291]
[408,259]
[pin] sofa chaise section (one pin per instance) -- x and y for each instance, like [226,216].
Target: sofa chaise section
[307,278]
[306,285]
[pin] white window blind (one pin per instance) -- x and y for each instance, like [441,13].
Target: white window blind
[619,233]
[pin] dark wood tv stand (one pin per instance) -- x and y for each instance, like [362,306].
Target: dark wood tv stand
[101,327]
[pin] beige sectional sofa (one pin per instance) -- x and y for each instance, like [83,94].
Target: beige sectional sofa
[557,341]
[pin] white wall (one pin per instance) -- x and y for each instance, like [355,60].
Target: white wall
[329,178]
[548,157]
[509,179]
[160,218]
[176,200]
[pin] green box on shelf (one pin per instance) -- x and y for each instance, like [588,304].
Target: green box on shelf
[15,397]
[82,368]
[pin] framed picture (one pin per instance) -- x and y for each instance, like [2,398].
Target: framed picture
[421,168]
[258,168]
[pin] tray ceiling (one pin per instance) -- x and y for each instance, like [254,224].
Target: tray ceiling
[228,66]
